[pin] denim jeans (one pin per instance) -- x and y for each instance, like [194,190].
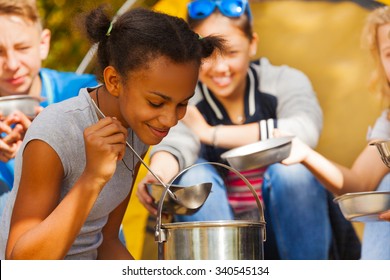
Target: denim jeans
[296,211]
[295,208]
[216,206]
[376,236]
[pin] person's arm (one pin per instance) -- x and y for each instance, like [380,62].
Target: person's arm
[39,228]
[298,110]
[182,143]
[165,166]
[42,228]
[365,174]
[223,136]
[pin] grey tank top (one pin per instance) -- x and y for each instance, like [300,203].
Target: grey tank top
[61,125]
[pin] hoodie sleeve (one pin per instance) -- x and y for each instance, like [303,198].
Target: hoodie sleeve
[182,143]
[298,110]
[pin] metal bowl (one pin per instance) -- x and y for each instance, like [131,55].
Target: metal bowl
[363,206]
[195,196]
[24,103]
[259,154]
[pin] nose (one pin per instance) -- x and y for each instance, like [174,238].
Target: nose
[169,118]
[11,61]
[221,64]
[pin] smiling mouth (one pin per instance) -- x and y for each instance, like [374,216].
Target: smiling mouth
[160,133]
[222,81]
[15,81]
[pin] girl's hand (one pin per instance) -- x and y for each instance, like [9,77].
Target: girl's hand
[299,152]
[105,144]
[385,216]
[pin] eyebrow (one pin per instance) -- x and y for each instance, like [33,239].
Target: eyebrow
[167,98]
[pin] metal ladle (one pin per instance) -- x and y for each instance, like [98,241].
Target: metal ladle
[383,147]
[187,196]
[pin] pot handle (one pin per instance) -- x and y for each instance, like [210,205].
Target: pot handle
[160,235]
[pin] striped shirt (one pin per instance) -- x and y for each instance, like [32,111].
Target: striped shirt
[239,194]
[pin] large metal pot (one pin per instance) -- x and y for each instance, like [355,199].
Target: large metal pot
[214,240]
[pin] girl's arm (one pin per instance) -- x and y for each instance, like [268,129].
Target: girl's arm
[223,136]
[365,174]
[41,226]
[166,166]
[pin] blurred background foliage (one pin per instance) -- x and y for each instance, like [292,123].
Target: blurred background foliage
[68,44]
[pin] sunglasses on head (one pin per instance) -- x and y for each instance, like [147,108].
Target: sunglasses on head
[200,9]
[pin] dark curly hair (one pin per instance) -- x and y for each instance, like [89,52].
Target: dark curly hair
[140,35]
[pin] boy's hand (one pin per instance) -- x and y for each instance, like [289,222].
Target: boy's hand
[12,131]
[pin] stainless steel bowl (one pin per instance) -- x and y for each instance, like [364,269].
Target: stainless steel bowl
[24,103]
[259,154]
[194,195]
[363,206]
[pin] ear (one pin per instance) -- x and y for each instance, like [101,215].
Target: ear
[44,44]
[253,45]
[112,80]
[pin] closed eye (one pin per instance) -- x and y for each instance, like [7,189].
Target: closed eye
[155,105]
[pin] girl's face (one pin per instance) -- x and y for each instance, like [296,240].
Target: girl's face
[225,75]
[155,98]
[384,47]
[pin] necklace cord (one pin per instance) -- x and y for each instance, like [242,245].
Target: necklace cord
[97,97]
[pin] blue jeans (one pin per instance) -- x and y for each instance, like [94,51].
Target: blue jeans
[296,208]
[216,206]
[376,237]
[296,211]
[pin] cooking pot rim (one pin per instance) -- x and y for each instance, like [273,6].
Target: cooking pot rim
[224,223]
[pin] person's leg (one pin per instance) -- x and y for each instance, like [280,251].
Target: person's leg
[216,206]
[297,207]
[270,246]
[376,236]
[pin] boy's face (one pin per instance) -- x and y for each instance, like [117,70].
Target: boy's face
[23,46]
